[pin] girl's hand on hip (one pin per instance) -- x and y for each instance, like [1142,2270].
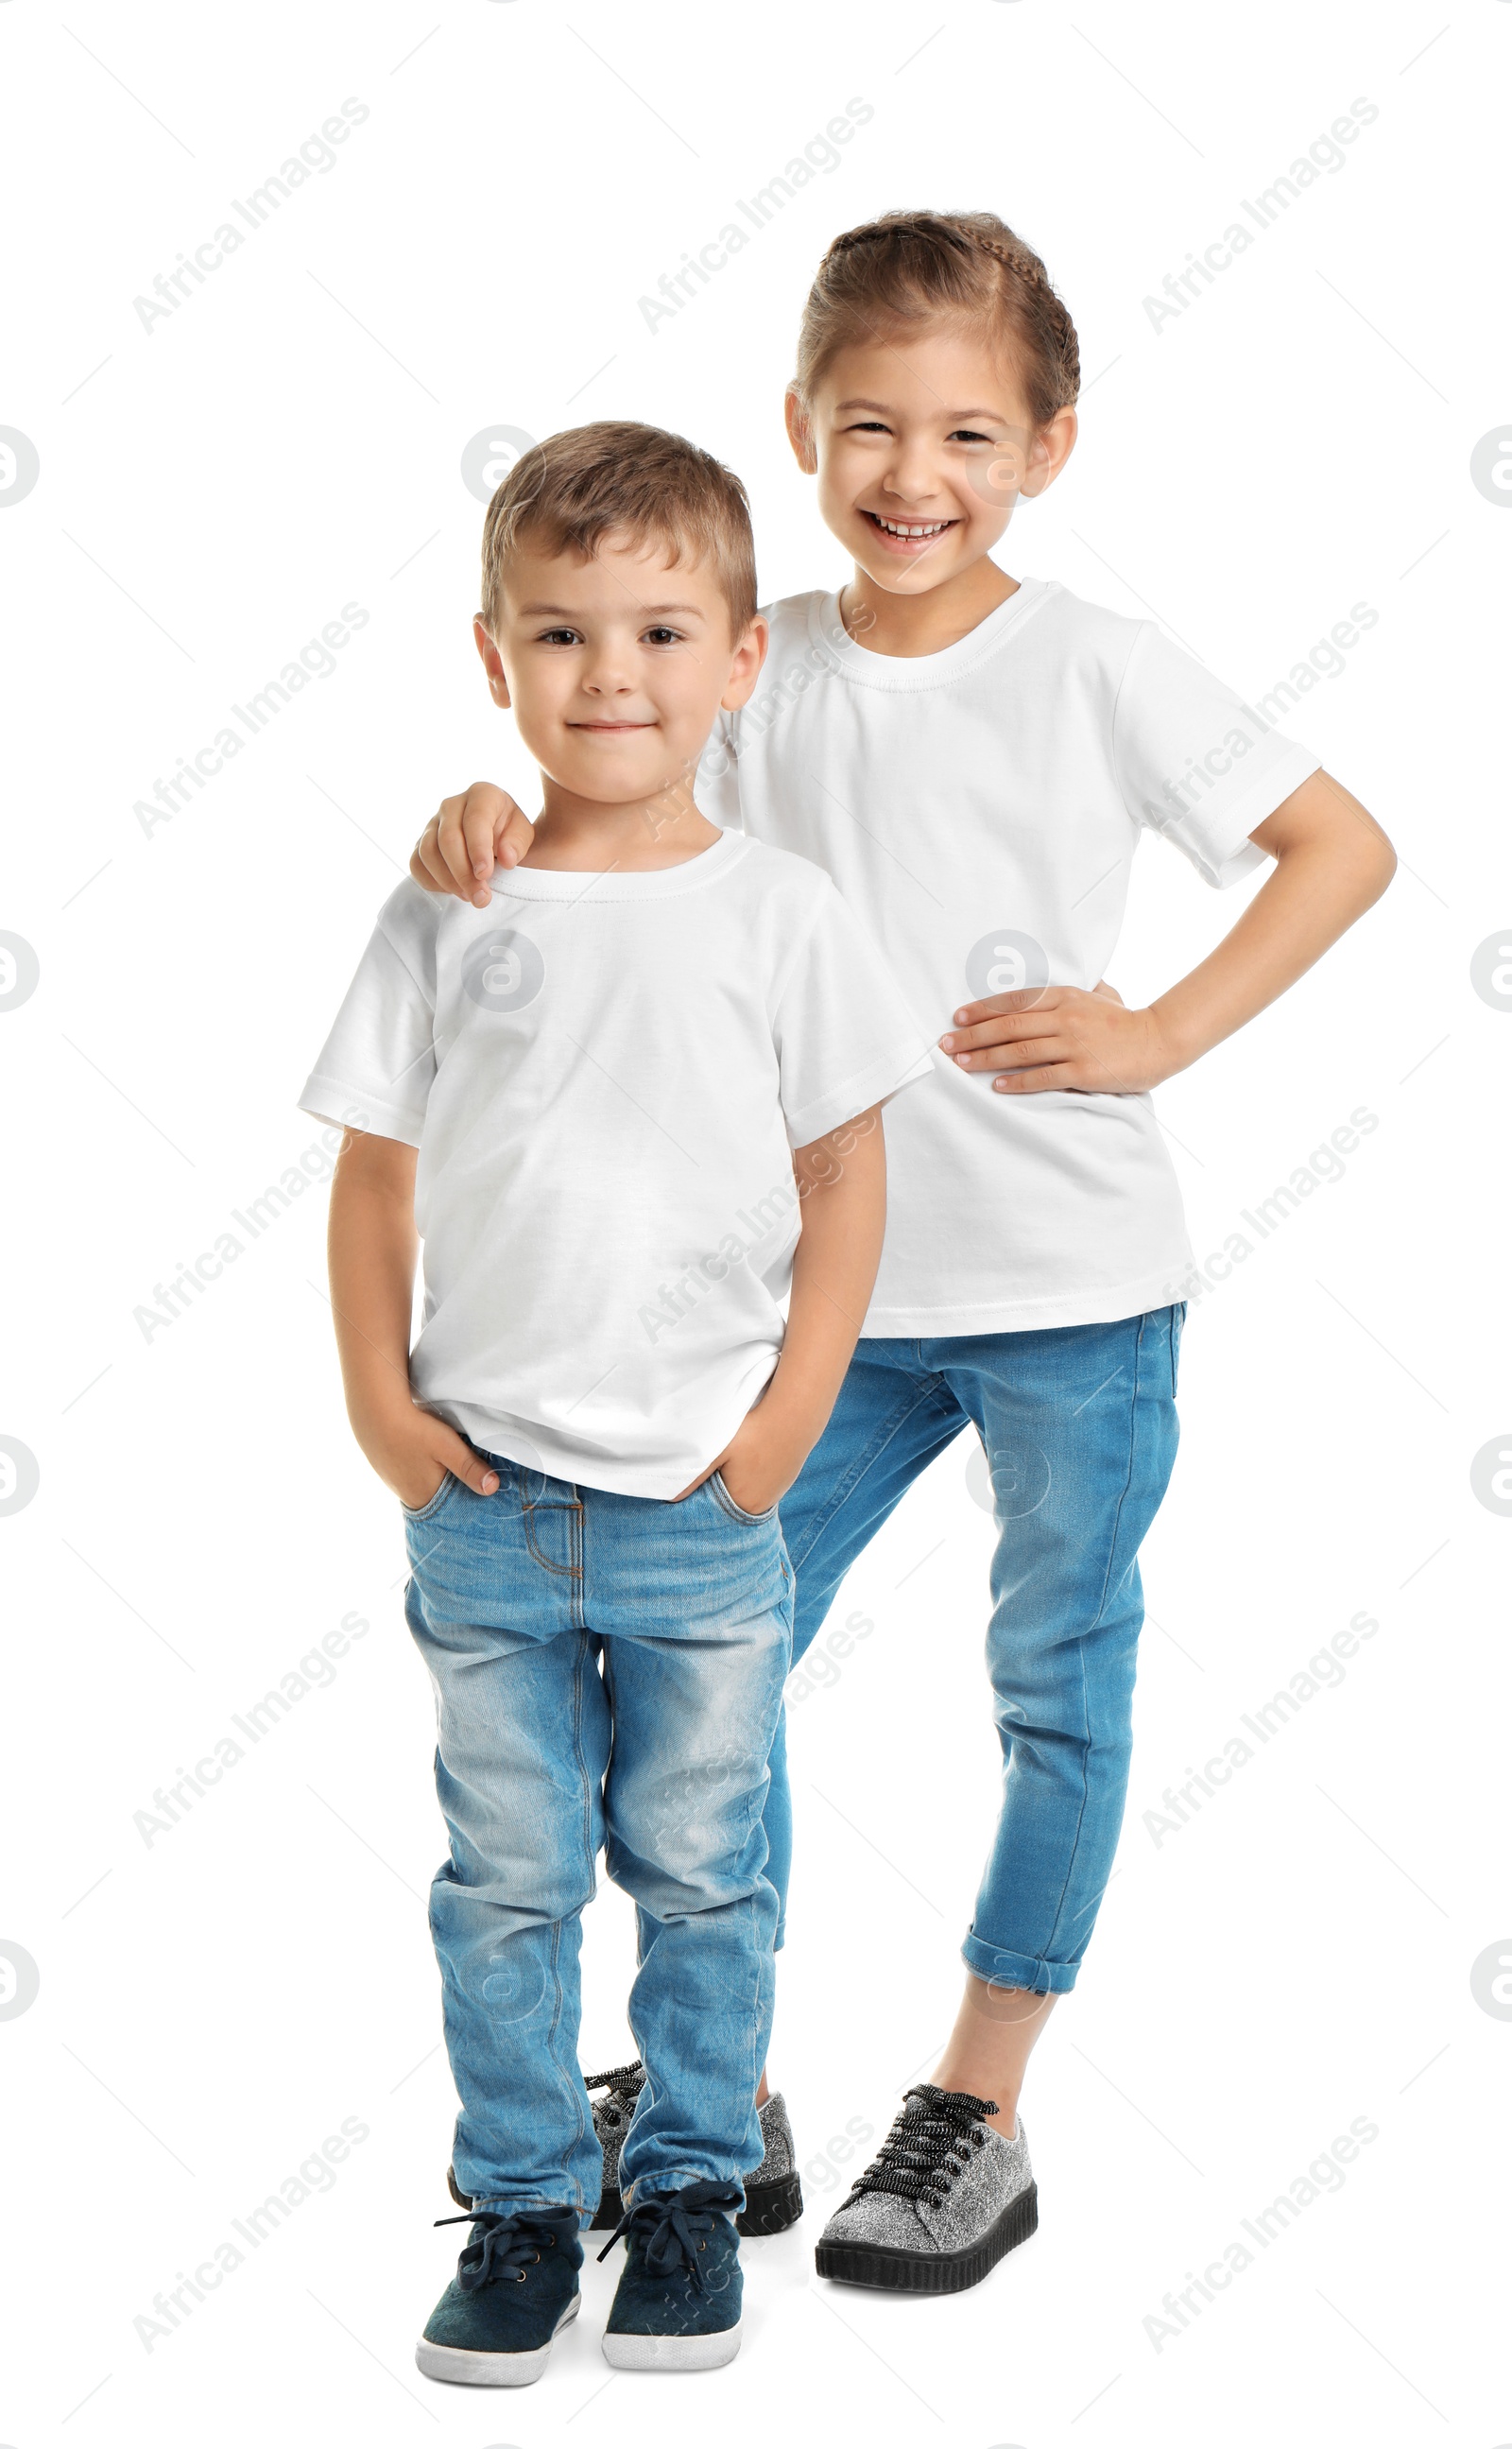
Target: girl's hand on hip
[1061,1037]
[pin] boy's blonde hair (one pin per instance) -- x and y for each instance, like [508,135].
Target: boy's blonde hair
[907,269]
[597,480]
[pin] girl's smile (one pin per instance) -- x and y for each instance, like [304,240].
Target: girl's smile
[907,539]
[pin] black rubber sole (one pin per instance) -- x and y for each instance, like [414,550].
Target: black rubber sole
[769,2209]
[932,2274]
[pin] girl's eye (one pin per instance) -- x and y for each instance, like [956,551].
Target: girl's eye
[968,434]
[868,425]
[557,638]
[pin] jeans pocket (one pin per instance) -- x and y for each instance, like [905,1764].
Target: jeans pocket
[736,1512]
[432,1505]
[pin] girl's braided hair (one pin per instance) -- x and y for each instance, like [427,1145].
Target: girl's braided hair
[906,269]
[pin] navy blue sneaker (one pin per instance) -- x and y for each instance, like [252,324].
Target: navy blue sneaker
[516,2286]
[678,2305]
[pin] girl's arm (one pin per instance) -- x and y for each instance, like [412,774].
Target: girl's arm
[1331,861]
[373,1246]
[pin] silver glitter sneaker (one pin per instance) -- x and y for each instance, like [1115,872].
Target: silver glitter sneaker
[945,2199]
[774,2196]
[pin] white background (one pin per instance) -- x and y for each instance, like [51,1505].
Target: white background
[212,491]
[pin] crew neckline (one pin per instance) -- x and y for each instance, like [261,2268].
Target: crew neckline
[911,672]
[612,884]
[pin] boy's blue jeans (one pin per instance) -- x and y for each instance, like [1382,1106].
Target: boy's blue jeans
[1079,1427]
[608,1671]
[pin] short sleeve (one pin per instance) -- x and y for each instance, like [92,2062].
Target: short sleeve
[375,1069]
[1194,762]
[845,1037]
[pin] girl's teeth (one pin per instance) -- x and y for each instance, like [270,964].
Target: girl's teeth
[893,528]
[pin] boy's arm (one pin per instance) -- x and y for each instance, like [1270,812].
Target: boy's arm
[842,1184]
[467,838]
[1332,860]
[373,1245]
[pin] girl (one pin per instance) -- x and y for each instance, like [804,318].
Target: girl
[973,758]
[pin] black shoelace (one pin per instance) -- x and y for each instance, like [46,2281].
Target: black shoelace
[623,2084]
[933,2135]
[675,2227]
[502,2246]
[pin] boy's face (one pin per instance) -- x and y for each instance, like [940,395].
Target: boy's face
[616,665]
[922,447]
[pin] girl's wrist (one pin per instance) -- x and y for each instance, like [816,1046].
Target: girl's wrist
[1175,1046]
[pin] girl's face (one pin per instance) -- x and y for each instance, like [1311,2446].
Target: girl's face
[922,446]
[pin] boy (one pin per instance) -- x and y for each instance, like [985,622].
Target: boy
[592,1099]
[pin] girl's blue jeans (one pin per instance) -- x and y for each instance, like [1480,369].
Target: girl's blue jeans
[1079,1427]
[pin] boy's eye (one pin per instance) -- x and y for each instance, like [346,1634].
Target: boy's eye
[968,434]
[661,636]
[558,638]
[868,425]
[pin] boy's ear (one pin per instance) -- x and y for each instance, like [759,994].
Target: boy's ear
[1050,451]
[498,684]
[750,654]
[800,432]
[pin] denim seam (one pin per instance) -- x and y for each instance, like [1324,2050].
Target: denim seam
[1082,1655]
[573,2082]
[752,1956]
[1139,1373]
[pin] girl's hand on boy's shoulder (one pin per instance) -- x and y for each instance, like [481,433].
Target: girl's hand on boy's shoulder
[1061,1037]
[467,838]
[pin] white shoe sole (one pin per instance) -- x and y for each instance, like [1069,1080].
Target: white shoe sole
[631,2351]
[486,2371]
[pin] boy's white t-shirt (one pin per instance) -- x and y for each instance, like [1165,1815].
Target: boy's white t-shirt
[979,810]
[605,1076]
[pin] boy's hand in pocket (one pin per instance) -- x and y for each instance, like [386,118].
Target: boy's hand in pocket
[763,1461]
[411,1452]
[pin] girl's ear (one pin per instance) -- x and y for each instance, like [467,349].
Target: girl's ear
[498,684]
[800,432]
[1050,451]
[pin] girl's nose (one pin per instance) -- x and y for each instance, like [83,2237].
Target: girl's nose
[913,477]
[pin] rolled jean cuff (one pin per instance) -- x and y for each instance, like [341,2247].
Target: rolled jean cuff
[515,2206]
[672,2181]
[1010,1972]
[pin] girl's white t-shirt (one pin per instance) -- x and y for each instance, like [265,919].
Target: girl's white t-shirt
[979,810]
[605,1076]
